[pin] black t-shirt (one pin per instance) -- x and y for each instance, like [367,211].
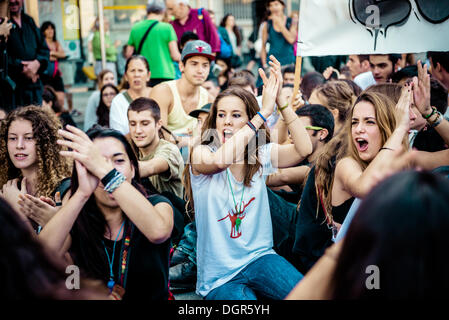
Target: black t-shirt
[147,276]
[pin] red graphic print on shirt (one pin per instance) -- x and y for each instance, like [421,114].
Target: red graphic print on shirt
[236,216]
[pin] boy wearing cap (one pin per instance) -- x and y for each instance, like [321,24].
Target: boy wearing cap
[177,98]
[201,114]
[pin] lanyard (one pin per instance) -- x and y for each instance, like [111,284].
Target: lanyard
[125,255]
[111,281]
[232,192]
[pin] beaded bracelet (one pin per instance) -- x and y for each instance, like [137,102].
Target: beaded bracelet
[115,183]
[437,121]
[431,114]
[263,118]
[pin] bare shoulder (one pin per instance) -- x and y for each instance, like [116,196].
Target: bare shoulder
[347,166]
[161,91]
[162,94]
[210,98]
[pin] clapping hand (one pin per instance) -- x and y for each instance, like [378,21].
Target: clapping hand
[5,27]
[41,209]
[270,90]
[421,90]
[11,193]
[403,107]
[84,151]
[275,68]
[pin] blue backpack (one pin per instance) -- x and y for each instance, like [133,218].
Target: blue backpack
[225,48]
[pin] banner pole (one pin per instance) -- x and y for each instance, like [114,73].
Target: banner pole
[297,77]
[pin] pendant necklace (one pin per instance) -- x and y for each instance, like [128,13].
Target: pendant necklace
[238,211]
[111,281]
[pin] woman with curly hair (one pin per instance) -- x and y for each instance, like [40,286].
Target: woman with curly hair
[32,166]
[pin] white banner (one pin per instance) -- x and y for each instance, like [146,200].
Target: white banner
[342,27]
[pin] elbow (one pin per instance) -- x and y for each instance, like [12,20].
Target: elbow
[305,151]
[161,236]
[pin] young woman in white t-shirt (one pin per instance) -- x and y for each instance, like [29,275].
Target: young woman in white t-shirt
[225,185]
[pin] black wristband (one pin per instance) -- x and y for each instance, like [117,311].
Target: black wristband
[109,176]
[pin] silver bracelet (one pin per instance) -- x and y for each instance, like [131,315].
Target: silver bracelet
[115,183]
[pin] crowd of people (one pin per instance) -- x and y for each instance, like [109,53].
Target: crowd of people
[195,173]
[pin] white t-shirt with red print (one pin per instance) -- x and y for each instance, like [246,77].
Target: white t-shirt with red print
[229,239]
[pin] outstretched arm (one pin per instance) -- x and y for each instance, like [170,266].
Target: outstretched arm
[421,95]
[206,162]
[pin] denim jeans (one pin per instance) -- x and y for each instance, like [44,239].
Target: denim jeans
[270,276]
[187,244]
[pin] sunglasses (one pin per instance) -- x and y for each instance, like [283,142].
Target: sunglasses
[314,128]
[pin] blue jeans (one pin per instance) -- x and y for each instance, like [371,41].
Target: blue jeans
[187,244]
[270,276]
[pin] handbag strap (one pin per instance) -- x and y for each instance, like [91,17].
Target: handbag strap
[145,36]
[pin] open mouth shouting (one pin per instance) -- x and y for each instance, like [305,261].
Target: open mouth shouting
[227,134]
[362,144]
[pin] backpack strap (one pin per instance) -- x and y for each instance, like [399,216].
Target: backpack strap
[63,187]
[127,97]
[145,36]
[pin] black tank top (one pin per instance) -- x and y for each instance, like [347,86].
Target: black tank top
[339,212]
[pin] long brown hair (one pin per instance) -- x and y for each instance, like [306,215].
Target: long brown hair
[252,108]
[333,151]
[386,118]
[338,95]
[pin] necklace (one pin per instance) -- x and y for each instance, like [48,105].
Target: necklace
[238,211]
[111,281]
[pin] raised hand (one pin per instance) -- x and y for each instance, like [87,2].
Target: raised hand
[87,183]
[5,27]
[11,192]
[275,67]
[84,151]
[403,107]
[421,90]
[270,91]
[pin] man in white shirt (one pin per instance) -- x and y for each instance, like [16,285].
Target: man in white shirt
[382,66]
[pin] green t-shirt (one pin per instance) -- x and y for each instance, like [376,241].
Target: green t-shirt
[155,47]
[171,179]
[111,50]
